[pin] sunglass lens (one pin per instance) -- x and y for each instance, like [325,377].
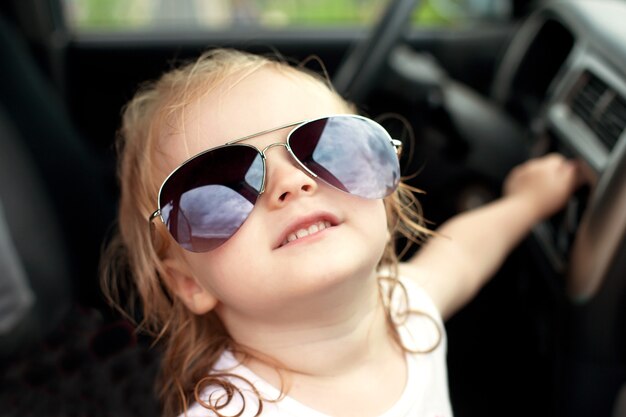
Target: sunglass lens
[353,154]
[207,199]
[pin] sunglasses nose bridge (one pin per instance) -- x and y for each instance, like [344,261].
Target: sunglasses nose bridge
[289,151]
[262,152]
[291,155]
[273,145]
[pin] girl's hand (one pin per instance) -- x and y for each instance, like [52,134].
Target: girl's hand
[546,183]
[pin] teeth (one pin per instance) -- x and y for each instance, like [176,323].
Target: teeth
[300,233]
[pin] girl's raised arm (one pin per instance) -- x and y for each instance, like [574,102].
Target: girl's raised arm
[470,247]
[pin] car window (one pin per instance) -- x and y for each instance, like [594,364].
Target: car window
[216,15]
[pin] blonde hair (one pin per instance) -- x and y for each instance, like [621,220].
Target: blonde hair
[132,262]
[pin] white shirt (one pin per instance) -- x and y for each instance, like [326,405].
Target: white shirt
[425,393]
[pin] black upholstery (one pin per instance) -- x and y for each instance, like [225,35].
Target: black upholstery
[69,174]
[65,353]
[33,229]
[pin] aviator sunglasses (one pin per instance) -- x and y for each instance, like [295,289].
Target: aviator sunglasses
[206,199]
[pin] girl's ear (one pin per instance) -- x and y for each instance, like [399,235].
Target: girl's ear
[197,299]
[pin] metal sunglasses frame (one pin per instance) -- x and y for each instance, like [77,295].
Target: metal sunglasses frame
[397,144]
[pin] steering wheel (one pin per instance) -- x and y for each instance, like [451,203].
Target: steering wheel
[357,75]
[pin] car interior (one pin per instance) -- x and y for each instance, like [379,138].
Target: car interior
[546,336]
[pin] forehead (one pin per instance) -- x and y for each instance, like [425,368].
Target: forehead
[241,106]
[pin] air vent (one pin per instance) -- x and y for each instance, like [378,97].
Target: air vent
[601,108]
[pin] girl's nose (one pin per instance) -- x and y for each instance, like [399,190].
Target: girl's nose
[285,178]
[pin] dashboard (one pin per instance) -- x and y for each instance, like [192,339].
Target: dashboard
[564,76]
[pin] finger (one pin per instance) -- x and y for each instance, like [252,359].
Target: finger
[572,175]
[580,178]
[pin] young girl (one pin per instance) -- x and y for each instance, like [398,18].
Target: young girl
[258,216]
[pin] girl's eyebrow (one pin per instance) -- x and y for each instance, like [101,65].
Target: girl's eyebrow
[265,131]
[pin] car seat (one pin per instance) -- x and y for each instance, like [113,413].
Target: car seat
[62,351]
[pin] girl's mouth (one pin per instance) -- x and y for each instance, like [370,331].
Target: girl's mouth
[306,231]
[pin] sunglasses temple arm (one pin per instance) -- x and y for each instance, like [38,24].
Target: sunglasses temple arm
[154,215]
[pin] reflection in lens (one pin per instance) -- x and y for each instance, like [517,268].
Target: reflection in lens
[209,215]
[253,178]
[351,153]
[206,200]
